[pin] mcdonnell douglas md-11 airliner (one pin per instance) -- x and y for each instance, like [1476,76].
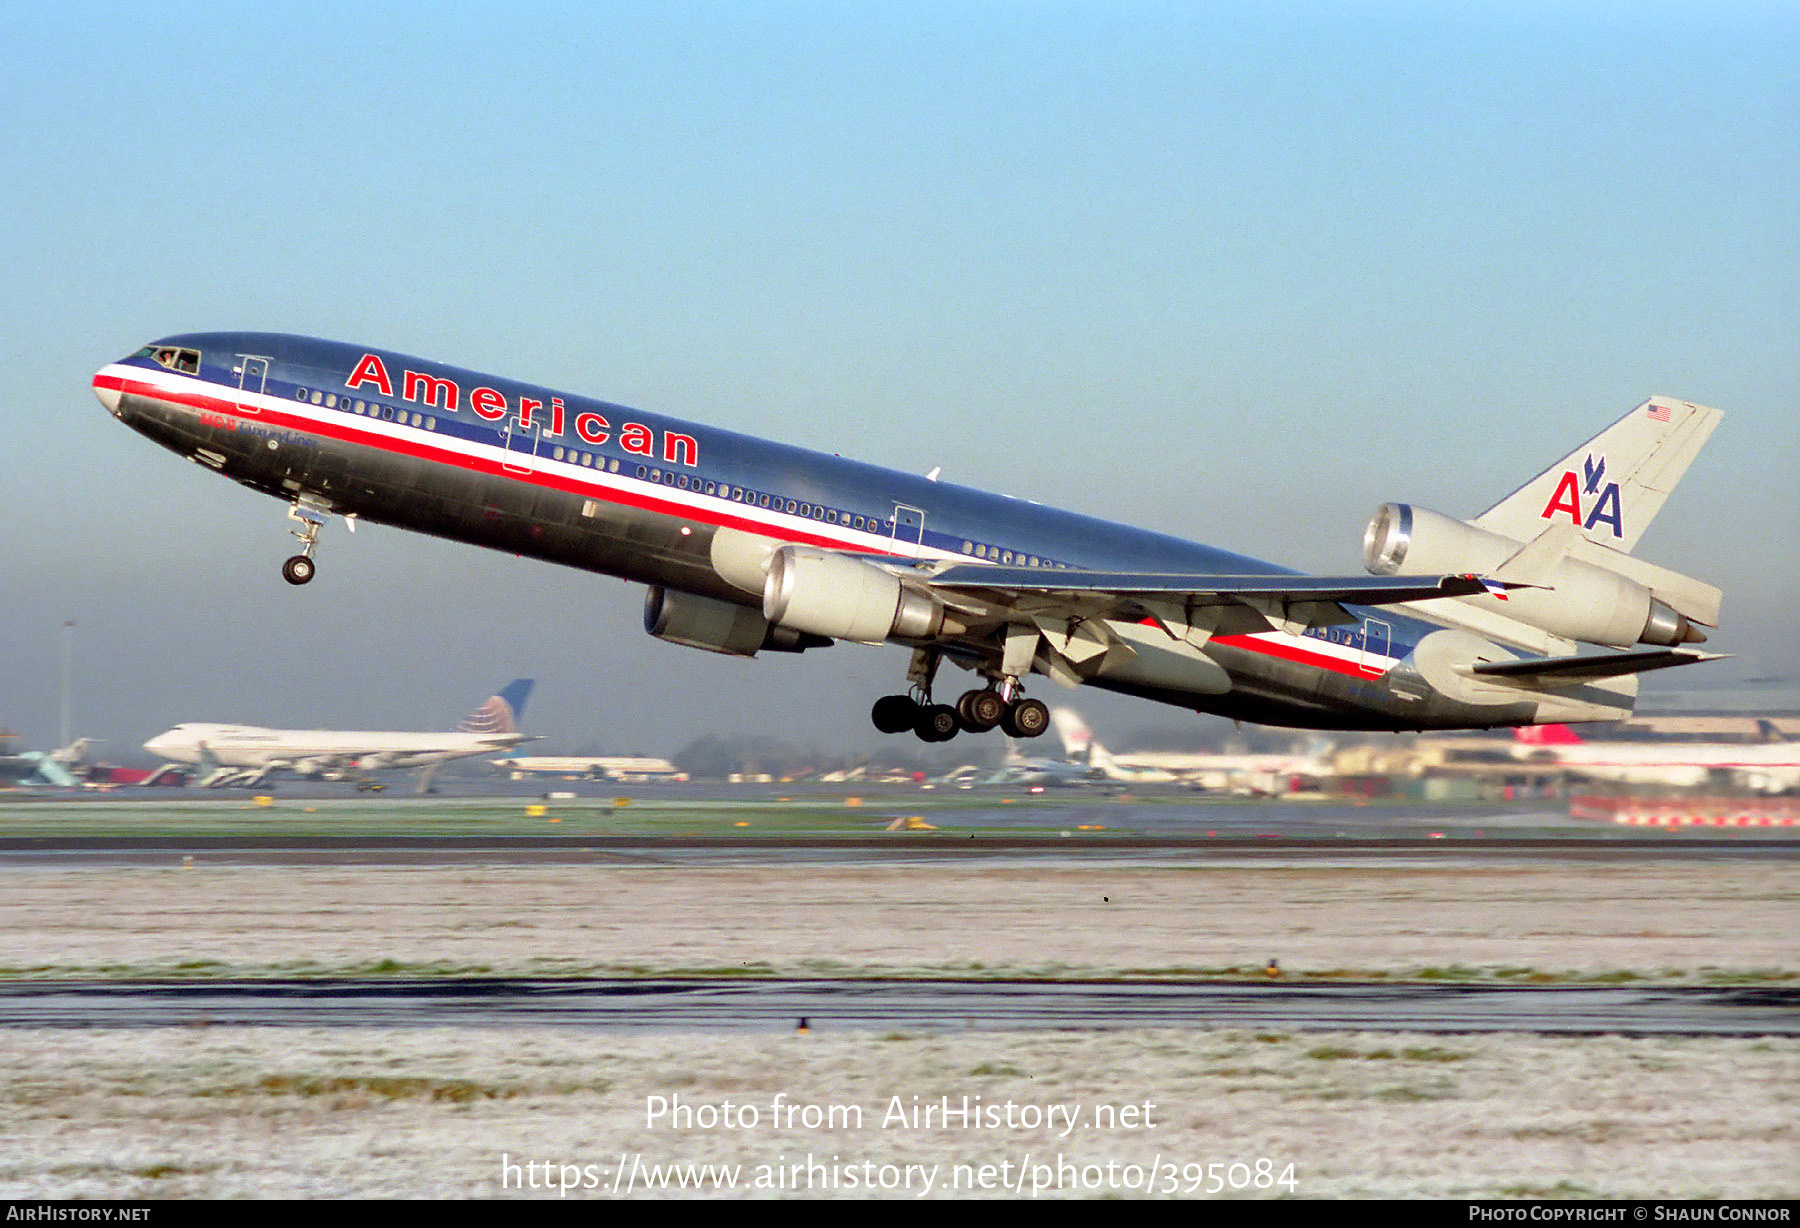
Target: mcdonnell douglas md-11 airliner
[748,545]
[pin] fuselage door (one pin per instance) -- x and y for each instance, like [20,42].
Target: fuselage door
[520,441]
[253,373]
[909,529]
[1375,647]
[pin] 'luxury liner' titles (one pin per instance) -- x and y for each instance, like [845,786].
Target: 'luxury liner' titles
[490,404]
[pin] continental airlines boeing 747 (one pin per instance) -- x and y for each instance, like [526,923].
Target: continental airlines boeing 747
[1535,611]
[250,754]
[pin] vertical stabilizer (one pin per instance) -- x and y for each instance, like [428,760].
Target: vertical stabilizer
[1612,486]
[1074,732]
[500,713]
[1546,735]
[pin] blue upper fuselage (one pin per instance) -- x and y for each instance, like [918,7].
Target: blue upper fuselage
[954,515]
[699,465]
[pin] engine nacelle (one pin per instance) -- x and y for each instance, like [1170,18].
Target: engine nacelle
[844,598]
[1578,600]
[718,626]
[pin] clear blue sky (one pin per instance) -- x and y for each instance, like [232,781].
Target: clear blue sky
[1236,272]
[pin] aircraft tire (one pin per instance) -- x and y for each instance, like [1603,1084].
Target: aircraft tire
[937,723]
[298,570]
[894,713]
[1026,719]
[980,711]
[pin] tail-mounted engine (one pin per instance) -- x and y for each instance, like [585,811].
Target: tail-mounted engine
[1570,597]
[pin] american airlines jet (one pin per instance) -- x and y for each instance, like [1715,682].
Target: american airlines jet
[249,754]
[1534,611]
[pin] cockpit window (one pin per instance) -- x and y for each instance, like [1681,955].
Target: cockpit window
[185,361]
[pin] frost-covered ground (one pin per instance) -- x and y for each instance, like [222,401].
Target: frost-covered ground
[1676,918]
[230,1112]
[323,1112]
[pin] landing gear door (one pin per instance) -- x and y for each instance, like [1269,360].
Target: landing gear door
[909,529]
[253,373]
[1374,661]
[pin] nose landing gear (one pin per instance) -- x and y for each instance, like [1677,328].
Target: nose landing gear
[300,568]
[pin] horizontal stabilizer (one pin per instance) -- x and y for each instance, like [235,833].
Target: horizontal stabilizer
[1359,590]
[1556,672]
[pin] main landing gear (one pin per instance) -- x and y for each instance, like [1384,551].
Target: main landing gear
[998,705]
[975,712]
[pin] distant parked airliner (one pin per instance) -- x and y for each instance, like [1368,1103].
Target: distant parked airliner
[250,754]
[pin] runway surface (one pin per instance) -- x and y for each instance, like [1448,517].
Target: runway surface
[838,1005]
[900,847]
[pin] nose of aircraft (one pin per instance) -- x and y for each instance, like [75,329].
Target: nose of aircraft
[106,388]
